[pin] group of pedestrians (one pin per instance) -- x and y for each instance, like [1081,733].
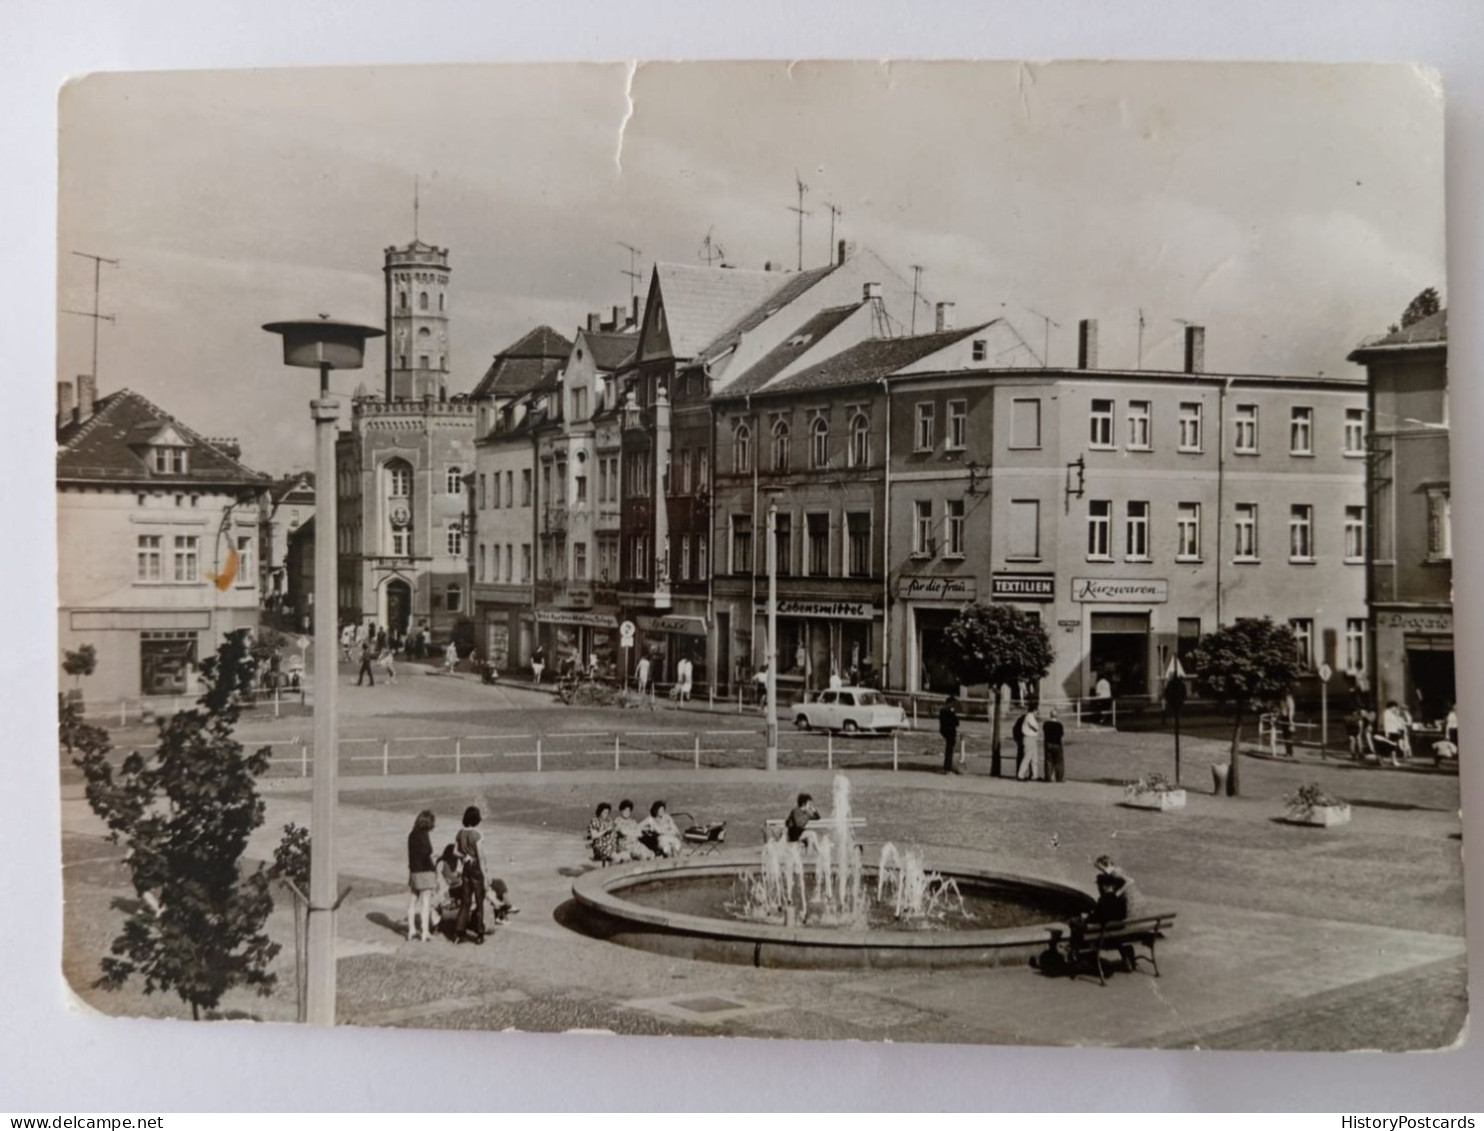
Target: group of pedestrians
[1039,745]
[615,840]
[448,893]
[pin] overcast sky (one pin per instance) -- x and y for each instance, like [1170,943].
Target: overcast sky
[1291,210]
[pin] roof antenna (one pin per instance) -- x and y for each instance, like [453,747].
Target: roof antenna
[98,262]
[803,188]
[415,206]
[633,275]
[710,249]
[917,270]
[835,213]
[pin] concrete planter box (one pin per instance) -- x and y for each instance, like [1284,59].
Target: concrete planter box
[1321,815]
[1156,799]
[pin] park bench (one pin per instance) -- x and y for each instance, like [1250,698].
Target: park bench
[775,828]
[1093,939]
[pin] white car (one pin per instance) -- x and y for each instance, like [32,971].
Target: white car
[851,709]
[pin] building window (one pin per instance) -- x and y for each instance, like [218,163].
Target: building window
[401,480]
[1245,548]
[1355,425]
[1136,547]
[579,404]
[525,561]
[924,545]
[401,542]
[1245,422]
[780,446]
[1355,534]
[422,361]
[682,486]
[703,564]
[560,486]
[979,349]
[1301,432]
[401,300]
[148,558]
[1100,424]
[860,441]
[579,561]
[1099,529]
[955,515]
[170,461]
[454,480]
[818,533]
[783,539]
[1188,532]
[685,557]
[1025,530]
[1300,533]
[455,541]
[703,471]
[819,444]
[441,297]
[422,300]
[580,483]
[741,543]
[525,486]
[742,450]
[453,598]
[1187,635]
[1439,524]
[1355,642]
[482,574]
[1191,439]
[958,425]
[483,495]
[1139,414]
[187,558]
[1303,637]
[858,532]
[1025,423]
[924,438]
[245,576]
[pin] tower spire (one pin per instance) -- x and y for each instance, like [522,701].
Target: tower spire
[415,205]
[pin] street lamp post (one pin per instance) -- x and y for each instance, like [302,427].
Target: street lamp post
[323,344]
[771,754]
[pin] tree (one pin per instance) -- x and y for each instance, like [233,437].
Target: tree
[80,663]
[1425,305]
[291,868]
[69,706]
[185,816]
[1246,665]
[997,644]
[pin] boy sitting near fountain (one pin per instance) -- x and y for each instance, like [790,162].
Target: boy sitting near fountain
[630,844]
[795,826]
[659,832]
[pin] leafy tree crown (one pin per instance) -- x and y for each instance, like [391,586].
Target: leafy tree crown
[1247,663]
[997,644]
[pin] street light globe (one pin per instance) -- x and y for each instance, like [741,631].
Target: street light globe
[323,342]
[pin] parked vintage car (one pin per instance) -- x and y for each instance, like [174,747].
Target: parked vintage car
[851,709]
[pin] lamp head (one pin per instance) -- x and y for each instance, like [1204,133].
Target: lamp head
[323,342]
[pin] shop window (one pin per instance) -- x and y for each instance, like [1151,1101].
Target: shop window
[166,660]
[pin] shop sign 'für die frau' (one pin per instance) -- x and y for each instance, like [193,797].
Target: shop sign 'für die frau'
[1123,591]
[938,588]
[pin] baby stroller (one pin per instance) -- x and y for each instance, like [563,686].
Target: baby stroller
[702,837]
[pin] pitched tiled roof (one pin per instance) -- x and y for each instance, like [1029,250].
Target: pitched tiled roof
[793,286]
[869,361]
[106,447]
[610,350]
[703,302]
[523,364]
[781,356]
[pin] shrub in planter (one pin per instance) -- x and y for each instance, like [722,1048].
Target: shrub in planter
[1154,791]
[1310,805]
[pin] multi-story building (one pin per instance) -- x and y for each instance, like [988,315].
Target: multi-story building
[157,537]
[1131,510]
[1410,584]
[515,396]
[287,505]
[400,468]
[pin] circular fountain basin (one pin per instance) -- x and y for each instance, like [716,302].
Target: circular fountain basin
[629,905]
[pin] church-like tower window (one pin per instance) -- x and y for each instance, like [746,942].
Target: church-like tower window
[398,508]
[402,300]
[422,300]
[454,481]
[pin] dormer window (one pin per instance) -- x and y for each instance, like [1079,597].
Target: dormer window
[170,461]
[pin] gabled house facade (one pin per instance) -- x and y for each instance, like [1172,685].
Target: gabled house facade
[157,535]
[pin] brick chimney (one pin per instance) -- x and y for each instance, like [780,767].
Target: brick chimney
[636,310]
[617,319]
[64,403]
[1195,349]
[87,393]
[871,291]
[840,252]
[943,316]
[594,321]
[1087,343]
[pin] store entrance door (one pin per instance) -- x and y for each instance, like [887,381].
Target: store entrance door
[1120,651]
